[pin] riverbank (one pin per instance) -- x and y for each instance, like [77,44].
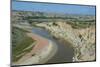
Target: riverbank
[41,53]
[82,39]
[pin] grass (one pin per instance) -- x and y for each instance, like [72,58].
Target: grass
[77,25]
[20,41]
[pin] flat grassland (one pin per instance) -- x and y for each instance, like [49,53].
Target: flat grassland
[20,42]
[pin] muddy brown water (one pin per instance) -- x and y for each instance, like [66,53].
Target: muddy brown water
[65,51]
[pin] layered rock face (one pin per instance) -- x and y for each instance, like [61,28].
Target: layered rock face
[82,39]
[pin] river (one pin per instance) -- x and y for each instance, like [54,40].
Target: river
[65,51]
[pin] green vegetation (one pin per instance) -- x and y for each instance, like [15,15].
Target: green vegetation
[54,24]
[19,42]
[77,25]
[77,21]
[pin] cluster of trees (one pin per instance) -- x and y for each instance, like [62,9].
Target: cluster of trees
[81,24]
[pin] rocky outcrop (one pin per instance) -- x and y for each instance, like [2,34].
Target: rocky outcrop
[83,39]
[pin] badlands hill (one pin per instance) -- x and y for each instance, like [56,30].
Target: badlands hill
[82,39]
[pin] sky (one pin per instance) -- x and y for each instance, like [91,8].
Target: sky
[55,8]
